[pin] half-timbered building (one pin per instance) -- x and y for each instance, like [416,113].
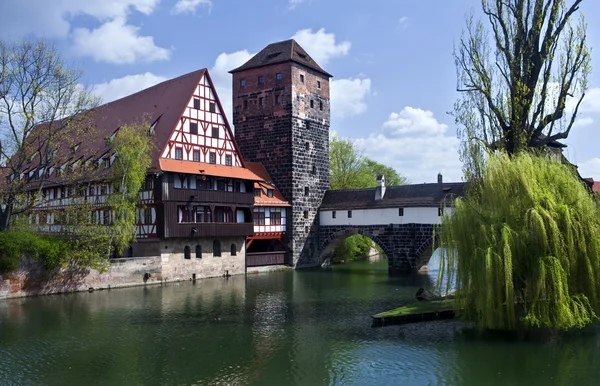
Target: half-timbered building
[196,205]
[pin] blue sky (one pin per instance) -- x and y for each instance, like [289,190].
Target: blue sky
[394,75]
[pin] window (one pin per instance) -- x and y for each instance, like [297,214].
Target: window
[106,217]
[178,153]
[233,250]
[278,76]
[306,190]
[203,214]
[275,218]
[333,213]
[198,251]
[194,127]
[440,211]
[148,183]
[211,107]
[269,192]
[307,146]
[213,158]
[306,229]
[312,104]
[261,101]
[220,184]
[277,99]
[243,82]
[257,192]
[349,214]
[306,214]
[321,105]
[147,215]
[197,103]
[400,211]
[318,84]
[302,78]
[183,214]
[196,155]
[215,132]
[259,216]
[314,169]
[106,162]
[217,248]
[245,104]
[261,80]
[228,160]
[186,253]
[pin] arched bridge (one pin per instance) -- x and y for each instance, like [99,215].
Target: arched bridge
[400,219]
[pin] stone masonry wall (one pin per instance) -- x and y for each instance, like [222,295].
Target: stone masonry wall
[284,124]
[32,279]
[407,246]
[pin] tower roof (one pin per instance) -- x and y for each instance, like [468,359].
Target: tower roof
[287,50]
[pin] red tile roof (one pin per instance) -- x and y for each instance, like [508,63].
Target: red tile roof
[265,183]
[190,167]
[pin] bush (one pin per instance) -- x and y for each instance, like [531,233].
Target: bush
[353,248]
[523,247]
[52,250]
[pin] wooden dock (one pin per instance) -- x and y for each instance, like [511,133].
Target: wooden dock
[416,312]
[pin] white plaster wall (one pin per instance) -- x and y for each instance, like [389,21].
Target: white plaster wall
[382,216]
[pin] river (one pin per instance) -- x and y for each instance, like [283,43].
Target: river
[281,328]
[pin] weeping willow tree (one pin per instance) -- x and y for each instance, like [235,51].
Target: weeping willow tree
[132,146]
[523,247]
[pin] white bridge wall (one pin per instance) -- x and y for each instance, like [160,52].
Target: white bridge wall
[382,216]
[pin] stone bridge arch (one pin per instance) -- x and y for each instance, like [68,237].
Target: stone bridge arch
[331,238]
[425,251]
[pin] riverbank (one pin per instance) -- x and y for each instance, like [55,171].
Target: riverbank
[419,311]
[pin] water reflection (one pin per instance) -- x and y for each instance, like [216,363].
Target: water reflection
[283,328]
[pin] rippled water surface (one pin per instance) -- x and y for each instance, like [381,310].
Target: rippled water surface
[281,328]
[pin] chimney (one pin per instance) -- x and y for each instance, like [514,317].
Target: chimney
[380,189]
[440,179]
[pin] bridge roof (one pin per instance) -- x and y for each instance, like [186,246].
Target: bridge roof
[405,196]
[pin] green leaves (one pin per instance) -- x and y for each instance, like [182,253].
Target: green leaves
[537,263]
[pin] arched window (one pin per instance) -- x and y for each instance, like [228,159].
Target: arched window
[217,248]
[186,252]
[198,251]
[233,250]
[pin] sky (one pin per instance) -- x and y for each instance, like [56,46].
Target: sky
[394,75]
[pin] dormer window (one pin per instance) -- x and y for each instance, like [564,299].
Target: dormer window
[76,147]
[269,192]
[106,162]
[257,193]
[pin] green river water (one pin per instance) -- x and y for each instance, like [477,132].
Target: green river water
[280,328]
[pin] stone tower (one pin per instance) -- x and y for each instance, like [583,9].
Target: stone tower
[281,117]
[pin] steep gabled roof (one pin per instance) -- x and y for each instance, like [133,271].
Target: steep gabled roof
[405,196]
[287,50]
[266,183]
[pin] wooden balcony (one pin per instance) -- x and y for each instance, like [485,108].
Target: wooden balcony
[213,196]
[213,229]
[258,259]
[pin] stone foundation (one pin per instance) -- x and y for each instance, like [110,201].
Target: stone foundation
[31,279]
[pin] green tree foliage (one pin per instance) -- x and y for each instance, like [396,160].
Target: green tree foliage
[351,170]
[132,146]
[523,247]
[43,108]
[521,77]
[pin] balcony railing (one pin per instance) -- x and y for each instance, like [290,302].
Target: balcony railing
[216,196]
[258,259]
[217,229]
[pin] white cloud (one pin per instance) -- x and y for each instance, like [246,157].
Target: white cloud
[190,6]
[52,18]
[348,96]
[591,101]
[413,121]
[590,168]
[403,22]
[127,85]
[117,42]
[221,77]
[417,145]
[295,3]
[321,46]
